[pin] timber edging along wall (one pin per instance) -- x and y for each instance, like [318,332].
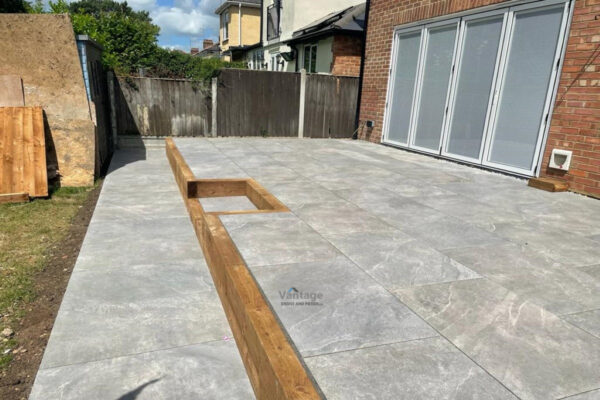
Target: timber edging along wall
[272,364]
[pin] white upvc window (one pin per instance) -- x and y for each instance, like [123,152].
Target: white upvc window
[225,19]
[310,58]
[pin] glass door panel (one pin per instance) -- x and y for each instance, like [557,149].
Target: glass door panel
[434,86]
[402,92]
[524,91]
[475,77]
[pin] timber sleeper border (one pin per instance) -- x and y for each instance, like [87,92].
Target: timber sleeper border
[272,364]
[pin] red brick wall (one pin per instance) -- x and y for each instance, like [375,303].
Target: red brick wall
[576,119]
[347,51]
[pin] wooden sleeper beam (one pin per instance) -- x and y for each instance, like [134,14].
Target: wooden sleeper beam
[272,364]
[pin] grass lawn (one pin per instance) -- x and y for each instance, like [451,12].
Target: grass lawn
[28,231]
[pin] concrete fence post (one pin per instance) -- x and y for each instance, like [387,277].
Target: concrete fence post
[302,103]
[113,108]
[215,86]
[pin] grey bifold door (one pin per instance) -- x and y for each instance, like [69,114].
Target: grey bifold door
[406,60]
[478,88]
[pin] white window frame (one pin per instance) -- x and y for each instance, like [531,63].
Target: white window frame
[225,24]
[419,82]
[310,46]
[508,9]
[549,102]
[391,81]
[458,65]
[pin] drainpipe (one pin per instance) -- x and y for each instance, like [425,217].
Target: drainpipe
[261,21]
[362,70]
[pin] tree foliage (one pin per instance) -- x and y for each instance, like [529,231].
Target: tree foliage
[14,6]
[129,39]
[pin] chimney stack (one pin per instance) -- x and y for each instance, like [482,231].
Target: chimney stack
[194,50]
[207,43]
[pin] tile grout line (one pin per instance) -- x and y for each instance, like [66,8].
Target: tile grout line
[409,308]
[426,338]
[131,354]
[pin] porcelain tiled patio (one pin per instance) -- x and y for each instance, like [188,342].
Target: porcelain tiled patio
[437,280]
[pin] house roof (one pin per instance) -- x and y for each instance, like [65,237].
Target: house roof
[215,48]
[247,3]
[350,20]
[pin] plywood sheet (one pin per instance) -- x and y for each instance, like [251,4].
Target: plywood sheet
[11,91]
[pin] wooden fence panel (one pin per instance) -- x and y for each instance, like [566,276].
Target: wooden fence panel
[162,107]
[249,103]
[23,151]
[257,103]
[330,108]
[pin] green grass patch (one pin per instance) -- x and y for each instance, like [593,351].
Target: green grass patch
[27,233]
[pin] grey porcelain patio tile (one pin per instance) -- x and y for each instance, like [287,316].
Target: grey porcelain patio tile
[500,259]
[279,238]
[531,351]
[133,196]
[221,170]
[592,270]
[435,176]
[192,372]
[396,260]
[402,212]
[419,369]
[410,187]
[558,290]
[589,321]
[471,211]
[570,214]
[132,310]
[271,171]
[140,230]
[142,180]
[594,237]
[231,203]
[340,217]
[296,193]
[446,233]
[355,312]
[573,250]
[161,248]
[138,212]
[591,395]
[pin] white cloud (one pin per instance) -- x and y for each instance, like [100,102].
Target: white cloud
[179,21]
[139,5]
[174,47]
[191,18]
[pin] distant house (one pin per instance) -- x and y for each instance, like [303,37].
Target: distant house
[239,27]
[281,19]
[332,44]
[209,50]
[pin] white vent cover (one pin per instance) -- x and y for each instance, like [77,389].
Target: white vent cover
[560,159]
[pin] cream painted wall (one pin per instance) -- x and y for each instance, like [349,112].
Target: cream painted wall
[296,14]
[324,55]
[250,27]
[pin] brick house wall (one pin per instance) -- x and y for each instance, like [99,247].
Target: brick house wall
[576,119]
[575,122]
[347,52]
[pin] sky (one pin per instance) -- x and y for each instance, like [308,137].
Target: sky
[181,21]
